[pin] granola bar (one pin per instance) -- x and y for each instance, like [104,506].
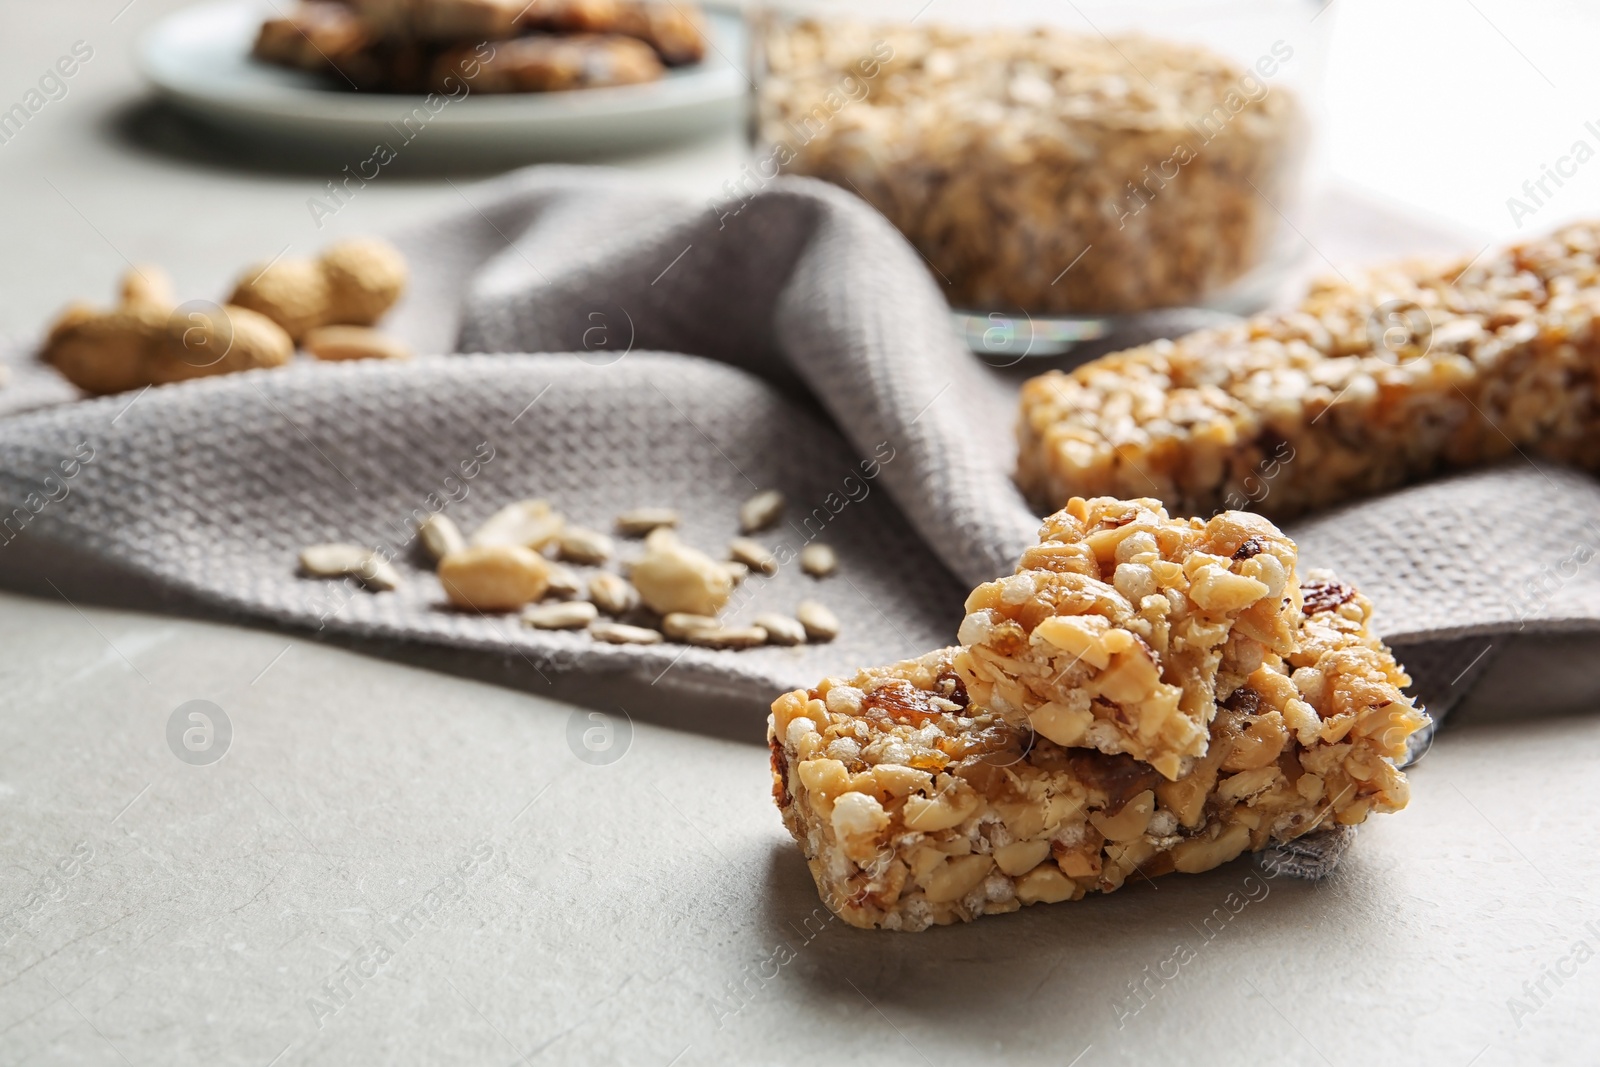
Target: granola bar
[1123,629]
[914,805]
[1369,384]
[1003,154]
[916,802]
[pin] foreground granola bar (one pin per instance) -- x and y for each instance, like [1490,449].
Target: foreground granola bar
[1123,628]
[916,806]
[1367,385]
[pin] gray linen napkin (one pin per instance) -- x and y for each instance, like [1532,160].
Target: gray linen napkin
[822,364]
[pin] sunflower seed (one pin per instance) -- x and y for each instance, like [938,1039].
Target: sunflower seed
[613,594]
[760,511]
[332,560]
[336,560]
[564,582]
[753,554]
[581,545]
[617,633]
[572,615]
[818,560]
[440,535]
[678,625]
[530,523]
[820,623]
[727,636]
[640,521]
[781,629]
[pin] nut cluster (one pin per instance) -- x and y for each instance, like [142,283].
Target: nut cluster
[149,339]
[1123,629]
[1003,154]
[916,803]
[1369,384]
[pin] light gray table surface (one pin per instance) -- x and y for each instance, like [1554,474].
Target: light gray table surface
[393,863]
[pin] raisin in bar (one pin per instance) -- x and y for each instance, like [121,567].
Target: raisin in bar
[1367,385]
[916,806]
[1123,628]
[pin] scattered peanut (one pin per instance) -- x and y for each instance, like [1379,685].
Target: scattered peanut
[530,523]
[760,511]
[353,284]
[440,535]
[200,344]
[641,521]
[581,545]
[337,343]
[753,554]
[737,572]
[820,623]
[671,577]
[365,277]
[818,560]
[498,577]
[336,560]
[617,633]
[781,629]
[613,594]
[572,615]
[144,341]
[291,292]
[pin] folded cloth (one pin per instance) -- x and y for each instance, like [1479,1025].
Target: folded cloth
[692,355]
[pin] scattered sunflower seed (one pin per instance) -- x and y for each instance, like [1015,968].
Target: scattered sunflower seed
[572,615]
[760,511]
[617,633]
[581,545]
[753,554]
[613,594]
[440,535]
[332,560]
[727,636]
[564,582]
[818,560]
[336,560]
[530,523]
[640,521]
[737,572]
[781,629]
[820,623]
[678,625]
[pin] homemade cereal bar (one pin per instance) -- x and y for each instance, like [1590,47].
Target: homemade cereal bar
[916,806]
[1367,385]
[1005,154]
[1123,629]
